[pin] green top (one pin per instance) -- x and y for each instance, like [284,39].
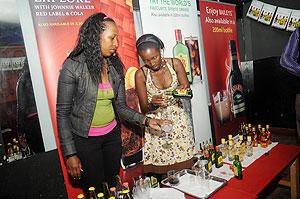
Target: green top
[104,111]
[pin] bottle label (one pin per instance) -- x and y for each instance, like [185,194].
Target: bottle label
[213,157]
[236,171]
[209,166]
[220,160]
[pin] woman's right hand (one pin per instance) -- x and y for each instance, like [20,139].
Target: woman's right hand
[74,167]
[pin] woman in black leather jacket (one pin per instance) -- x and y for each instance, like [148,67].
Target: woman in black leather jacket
[91,102]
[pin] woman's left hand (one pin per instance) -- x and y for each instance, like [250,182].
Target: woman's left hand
[156,123]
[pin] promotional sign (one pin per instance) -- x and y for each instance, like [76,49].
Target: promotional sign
[218,22]
[266,14]
[294,21]
[281,18]
[176,24]
[255,9]
[56,25]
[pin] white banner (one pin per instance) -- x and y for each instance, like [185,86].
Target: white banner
[163,19]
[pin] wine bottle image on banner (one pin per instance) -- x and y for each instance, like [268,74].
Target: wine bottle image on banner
[181,52]
[236,82]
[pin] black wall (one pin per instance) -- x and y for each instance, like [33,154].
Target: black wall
[258,41]
[39,176]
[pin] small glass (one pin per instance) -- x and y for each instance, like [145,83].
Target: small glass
[173,177]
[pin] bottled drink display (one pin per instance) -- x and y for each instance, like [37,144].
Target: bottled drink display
[100,196]
[237,167]
[249,148]
[268,134]
[263,138]
[224,148]
[92,193]
[211,152]
[231,151]
[183,93]
[219,159]
[236,82]
[255,137]
[181,52]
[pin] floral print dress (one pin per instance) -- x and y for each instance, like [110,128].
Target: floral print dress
[161,155]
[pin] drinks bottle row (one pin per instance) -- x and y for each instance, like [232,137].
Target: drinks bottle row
[121,191]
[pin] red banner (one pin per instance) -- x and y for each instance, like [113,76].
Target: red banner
[218,22]
[56,26]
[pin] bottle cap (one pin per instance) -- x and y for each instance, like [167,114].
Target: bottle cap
[230,142]
[267,126]
[223,140]
[92,189]
[125,184]
[253,129]
[238,144]
[236,157]
[241,137]
[100,195]
[263,129]
[249,138]
[80,196]
[112,189]
[112,197]
[126,191]
[229,137]
[178,35]
[259,125]
[217,148]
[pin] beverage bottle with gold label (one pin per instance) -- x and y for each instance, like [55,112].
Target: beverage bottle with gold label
[230,138]
[211,152]
[268,134]
[254,138]
[237,168]
[182,93]
[239,151]
[208,166]
[249,148]
[219,158]
[231,151]
[263,138]
[224,148]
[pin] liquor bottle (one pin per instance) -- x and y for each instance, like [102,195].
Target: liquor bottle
[242,143]
[126,185]
[230,138]
[208,166]
[237,168]
[263,138]
[113,191]
[92,193]
[224,148]
[239,151]
[106,191]
[119,186]
[255,137]
[249,148]
[219,159]
[181,52]
[182,93]
[236,83]
[100,196]
[231,151]
[211,152]
[126,194]
[258,133]
[268,134]
[80,196]
[245,133]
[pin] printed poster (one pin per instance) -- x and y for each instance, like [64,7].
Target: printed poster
[281,18]
[294,20]
[266,14]
[218,22]
[255,9]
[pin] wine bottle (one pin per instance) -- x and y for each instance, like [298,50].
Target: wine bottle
[236,83]
[181,52]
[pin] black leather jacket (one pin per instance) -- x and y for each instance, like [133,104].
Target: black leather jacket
[76,101]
